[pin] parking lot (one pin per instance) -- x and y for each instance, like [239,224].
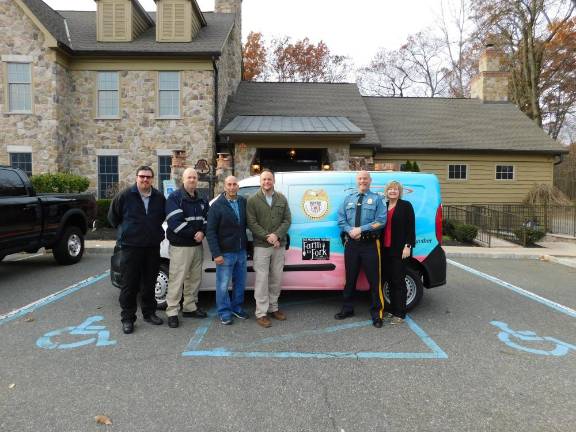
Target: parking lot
[493,350]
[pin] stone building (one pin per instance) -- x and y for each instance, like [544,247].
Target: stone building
[99,93]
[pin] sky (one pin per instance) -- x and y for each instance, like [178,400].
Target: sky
[355,28]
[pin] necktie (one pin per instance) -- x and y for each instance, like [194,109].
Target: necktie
[358,210]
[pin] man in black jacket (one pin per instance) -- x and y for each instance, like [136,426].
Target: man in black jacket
[226,233]
[138,213]
[186,214]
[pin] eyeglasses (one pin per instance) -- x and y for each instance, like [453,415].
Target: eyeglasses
[144,177]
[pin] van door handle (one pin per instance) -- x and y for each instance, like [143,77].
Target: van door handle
[287,242]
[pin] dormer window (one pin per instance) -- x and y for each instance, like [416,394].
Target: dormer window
[121,20]
[178,20]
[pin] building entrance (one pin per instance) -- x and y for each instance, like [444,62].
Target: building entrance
[291,159]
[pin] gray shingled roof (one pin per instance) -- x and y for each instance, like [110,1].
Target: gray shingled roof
[279,125]
[82,28]
[209,41]
[456,124]
[52,20]
[301,100]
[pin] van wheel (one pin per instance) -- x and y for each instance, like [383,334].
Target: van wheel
[161,288]
[70,247]
[414,286]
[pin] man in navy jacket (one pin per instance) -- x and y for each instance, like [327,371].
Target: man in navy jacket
[226,233]
[138,213]
[186,214]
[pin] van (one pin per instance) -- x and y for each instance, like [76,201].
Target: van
[315,252]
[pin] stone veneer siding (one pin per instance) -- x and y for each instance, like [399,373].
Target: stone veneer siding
[138,134]
[41,129]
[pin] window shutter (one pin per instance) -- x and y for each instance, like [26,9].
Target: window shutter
[108,20]
[120,22]
[168,20]
[179,20]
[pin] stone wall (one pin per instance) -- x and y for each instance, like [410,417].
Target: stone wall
[138,134]
[39,130]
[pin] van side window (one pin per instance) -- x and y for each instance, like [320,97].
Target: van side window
[248,191]
[11,184]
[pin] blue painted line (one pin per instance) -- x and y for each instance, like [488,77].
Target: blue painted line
[18,313]
[201,331]
[436,351]
[535,297]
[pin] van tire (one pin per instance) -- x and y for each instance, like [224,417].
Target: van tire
[161,288]
[70,248]
[414,286]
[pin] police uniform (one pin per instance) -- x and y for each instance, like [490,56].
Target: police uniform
[368,211]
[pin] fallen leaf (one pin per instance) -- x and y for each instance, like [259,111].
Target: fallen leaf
[11,386]
[28,319]
[102,419]
[98,307]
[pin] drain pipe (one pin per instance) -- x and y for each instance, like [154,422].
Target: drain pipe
[216,122]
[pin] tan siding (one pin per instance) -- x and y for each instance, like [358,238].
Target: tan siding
[481,185]
[195,24]
[138,23]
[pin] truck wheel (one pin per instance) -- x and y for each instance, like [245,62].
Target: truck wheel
[414,286]
[70,247]
[162,286]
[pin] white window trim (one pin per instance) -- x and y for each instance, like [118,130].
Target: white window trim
[505,164]
[14,58]
[105,152]
[170,117]
[97,115]
[18,149]
[460,179]
[23,60]
[164,152]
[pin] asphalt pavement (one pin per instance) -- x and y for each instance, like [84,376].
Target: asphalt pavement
[493,350]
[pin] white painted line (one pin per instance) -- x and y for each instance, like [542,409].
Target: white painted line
[17,313]
[535,297]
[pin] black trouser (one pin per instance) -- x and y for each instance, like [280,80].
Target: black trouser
[363,255]
[140,270]
[395,275]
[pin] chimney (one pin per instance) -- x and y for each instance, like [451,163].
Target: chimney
[491,83]
[231,6]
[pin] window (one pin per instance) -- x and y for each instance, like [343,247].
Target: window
[164,170]
[108,100]
[107,176]
[11,184]
[19,87]
[457,172]
[504,172]
[22,161]
[169,94]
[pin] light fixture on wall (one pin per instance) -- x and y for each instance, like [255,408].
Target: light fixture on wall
[326,166]
[292,153]
[255,168]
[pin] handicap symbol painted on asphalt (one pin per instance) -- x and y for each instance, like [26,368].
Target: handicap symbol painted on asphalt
[506,335]
[102,336]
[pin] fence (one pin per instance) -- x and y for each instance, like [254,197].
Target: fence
[555,219]
[462,215]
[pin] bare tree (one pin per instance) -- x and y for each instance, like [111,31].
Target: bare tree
[384,76]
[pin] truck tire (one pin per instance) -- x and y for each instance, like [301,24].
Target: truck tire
[414,286]
[161,288]
[70,247]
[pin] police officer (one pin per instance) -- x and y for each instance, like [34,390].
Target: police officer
[361,219]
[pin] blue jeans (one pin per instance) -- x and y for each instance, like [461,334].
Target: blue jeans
[234,268]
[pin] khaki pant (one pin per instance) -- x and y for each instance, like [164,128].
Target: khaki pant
[185,277]
[268,266]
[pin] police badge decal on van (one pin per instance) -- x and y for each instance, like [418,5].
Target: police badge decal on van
[315,203]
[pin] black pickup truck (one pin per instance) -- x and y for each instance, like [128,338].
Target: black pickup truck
[29,221]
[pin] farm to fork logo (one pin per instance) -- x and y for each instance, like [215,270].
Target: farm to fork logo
[315,203]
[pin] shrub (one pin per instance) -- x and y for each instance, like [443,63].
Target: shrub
[448,227]
[59,183]
[529,236]
[465,233]
[102,216]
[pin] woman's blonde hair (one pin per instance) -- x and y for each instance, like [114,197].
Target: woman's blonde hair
[392,184]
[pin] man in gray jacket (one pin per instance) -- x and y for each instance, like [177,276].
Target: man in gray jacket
[268,217]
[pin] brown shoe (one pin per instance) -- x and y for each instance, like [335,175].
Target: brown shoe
[279,315]
[264,322]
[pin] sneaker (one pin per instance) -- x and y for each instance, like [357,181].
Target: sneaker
[153,319]
[397,320]
[241,315]
[226,321]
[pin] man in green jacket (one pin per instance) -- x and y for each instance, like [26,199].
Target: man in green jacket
[268,217]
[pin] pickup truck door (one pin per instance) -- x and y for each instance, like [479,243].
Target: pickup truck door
[20,214]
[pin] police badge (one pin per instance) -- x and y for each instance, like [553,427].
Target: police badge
[315,203]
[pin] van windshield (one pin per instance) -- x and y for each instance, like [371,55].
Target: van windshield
[248,191]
